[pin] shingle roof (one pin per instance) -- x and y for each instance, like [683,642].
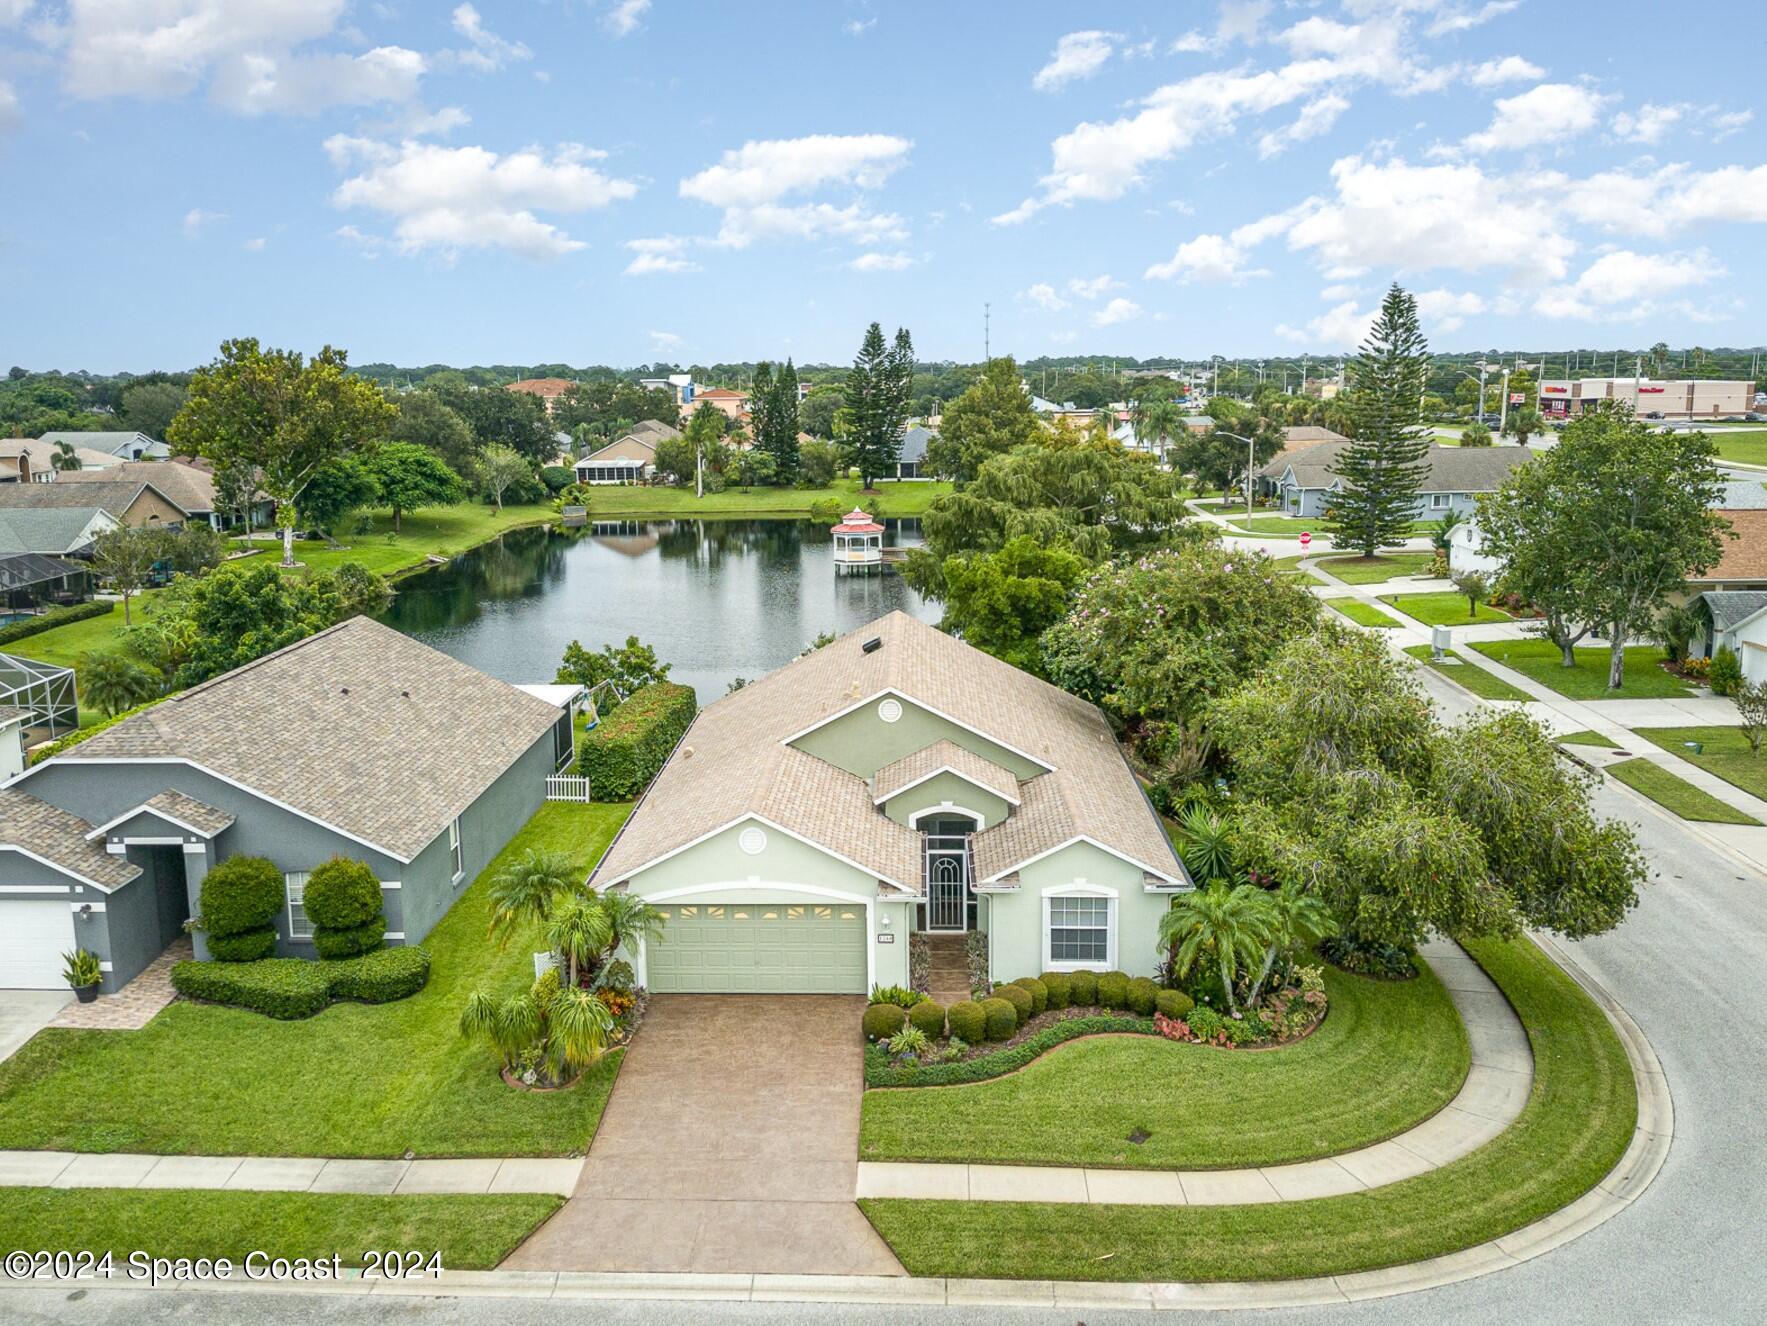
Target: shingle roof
[734,761]
[1302,435]
[1745,556]
[113,495]
[184,486]
[942,755]
[115,443]
[629,446]
[59,838]
[1730,606]
[914,444]
[654,428]
[52,530]
[359,727]
[1451,469]
[199,815]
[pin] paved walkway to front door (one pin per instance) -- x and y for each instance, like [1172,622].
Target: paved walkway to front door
[137,1003]
[730,1144]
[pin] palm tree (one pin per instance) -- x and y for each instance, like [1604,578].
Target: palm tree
[1442,536]
[1298,918]
[511,1025]
[580,930]
[1156,419]
[528,889]
[1204,843]
[66,457]
[113,682]
[1231,925]
[565,1030]
[578,1025]
[631,920]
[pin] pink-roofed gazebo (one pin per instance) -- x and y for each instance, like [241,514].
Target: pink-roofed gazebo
[858,541]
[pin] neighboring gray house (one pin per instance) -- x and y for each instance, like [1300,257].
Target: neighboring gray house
[1735,619]
[130,446]
[357,741]
[911,461]
[1306,484]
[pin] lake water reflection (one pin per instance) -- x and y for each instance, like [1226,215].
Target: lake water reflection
[718,599]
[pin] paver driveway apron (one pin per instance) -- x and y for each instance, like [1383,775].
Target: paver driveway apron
[730,1144]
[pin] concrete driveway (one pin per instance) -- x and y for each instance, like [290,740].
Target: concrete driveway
[23,1013]
[730,1144]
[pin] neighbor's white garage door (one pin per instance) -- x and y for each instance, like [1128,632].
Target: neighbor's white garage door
[33,936]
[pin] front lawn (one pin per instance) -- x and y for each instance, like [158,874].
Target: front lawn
[1354,570]
[1466,675]
[892,499]
[1746,446]
[1675,795]
[1388,1055]
[1725,753]
[472,1232]
[354,1080]
[1577,1123]
[1362,613]
[1539,660]
[1444,609]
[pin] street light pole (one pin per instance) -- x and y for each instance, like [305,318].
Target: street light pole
[1249,444]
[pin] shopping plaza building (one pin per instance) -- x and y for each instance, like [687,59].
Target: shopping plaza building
[1686,398]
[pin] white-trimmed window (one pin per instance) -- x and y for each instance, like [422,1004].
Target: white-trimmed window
[455,854]
[1439,501]
[295,883]
[1078,931]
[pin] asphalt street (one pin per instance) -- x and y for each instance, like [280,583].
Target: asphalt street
[1693,1248]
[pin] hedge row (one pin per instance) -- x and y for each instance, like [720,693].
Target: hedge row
[289,988]
[55,617]
[879,1072]
[622,753]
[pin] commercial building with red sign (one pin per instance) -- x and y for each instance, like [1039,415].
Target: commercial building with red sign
[1685,398]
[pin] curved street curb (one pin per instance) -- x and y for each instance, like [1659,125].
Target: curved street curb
[1651,1140]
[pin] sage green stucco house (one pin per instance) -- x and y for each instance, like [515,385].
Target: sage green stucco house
[896,780]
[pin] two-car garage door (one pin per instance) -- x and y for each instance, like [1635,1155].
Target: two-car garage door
[758,948]
[34,933]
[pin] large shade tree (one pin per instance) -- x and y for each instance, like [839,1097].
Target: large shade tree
[281,415]
[989,419]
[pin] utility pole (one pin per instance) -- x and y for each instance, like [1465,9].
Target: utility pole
[987,345]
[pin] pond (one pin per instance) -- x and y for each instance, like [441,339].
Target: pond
[718,599]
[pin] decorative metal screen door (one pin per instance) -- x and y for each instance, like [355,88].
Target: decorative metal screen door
[947,880]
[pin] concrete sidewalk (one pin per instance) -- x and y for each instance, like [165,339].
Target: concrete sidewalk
[115,1169]
[1492,1097]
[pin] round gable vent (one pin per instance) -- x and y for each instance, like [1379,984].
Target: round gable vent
[889,710]
[753,841]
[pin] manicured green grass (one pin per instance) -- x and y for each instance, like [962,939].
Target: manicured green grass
[1444,609]
[64,645]
[1363,614]
[1748,446]
[1675,795]
[1356,570]
[1726,753]
[443,531]
[1468,676]
[1291,568]
[1576,1125]
[1291,527]
[471,1232]
[1587,739]
[1539,660]
[355,1080]
[1388,1055]
[891,497]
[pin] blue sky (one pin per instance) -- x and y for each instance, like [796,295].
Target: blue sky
[627,180]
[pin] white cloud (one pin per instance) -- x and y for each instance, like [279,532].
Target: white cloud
[750,183]
[1191,43]
[1444,311]
[626,17]
[663,340]
[1624,284]
[857,27]
[1460,20]
[1321,36]
[10,115]
[255,244]
[1649,123]
[196,220]
[1118,310]
[1044,297]
[665,254]
[1510,69]
[447,199]
[1341,327]
[1213,259]
[1339,292]
[14,12]
[1078,55]
[1662,201]
[1728,122]
[253,84]
[489,51]
[1549,113]
[1316,118]
[1093,287]
[881,262]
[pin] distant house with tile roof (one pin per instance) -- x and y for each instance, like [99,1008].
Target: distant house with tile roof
[896,781]
[547,390]
[357,741]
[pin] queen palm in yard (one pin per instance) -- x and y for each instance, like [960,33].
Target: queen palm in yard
[1229,926]
[1157,419]
[528,890]
[581,932]
[1298,918]
[631,920]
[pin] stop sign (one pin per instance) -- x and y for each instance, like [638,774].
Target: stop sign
[1306,540]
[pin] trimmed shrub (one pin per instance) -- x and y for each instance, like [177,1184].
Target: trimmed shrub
[556,478]
[1002,1017]
[928,1016]
[1173,1004]
[967,1021]
[1113,990]
[1058,989]
[1039,993]
[248,946]
[628,748]
[342,900]
[55,617]
[1724,675]
[350,943]
[1142,996]
[288,988]
[1019,998]
[241,896]
[1082,989]
[880,1072]
[882,1021]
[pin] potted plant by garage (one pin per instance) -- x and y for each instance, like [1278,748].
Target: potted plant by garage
[83,974]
